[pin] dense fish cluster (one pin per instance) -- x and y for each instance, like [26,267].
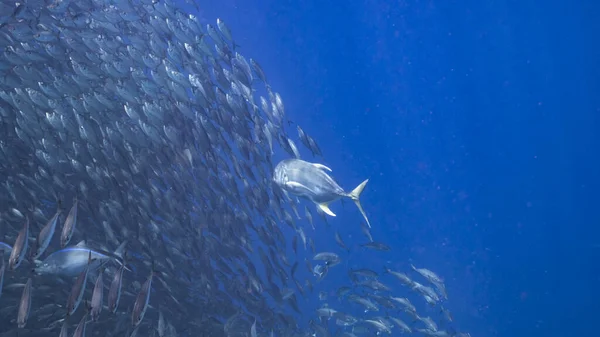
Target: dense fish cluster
[138,192]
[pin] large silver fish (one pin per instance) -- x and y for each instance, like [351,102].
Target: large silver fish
[311,181]
[71,261]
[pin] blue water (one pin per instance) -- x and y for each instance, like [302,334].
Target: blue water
[477,123]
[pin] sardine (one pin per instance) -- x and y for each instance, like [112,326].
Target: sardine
[69,225]
[25,305]
[20,247]
[141,302]
[78,289]
[97,296]
[114,293]
[46,234]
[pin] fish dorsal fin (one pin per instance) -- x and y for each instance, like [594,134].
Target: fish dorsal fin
[322,167]
[325,208]
[81,244]
[297,187]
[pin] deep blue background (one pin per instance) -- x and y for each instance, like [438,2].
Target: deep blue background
[477,122]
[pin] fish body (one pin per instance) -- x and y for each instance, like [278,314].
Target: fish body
[45,236]
[401,324]
[78,288]
[141,302]
[377,246]
[114,292]
[69,226]
[311,181]
[17,254]
[97,296]
[24,305]
[428,274]
[71,261]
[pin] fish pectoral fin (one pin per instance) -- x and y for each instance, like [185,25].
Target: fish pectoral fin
[296,186]
[322,167]
[325,208]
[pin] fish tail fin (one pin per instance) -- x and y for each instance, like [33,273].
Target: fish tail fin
[355,196]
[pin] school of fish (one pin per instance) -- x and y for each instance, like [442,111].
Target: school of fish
[139,196]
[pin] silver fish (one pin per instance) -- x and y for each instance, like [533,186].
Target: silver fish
[224,29]
[428,274]
[24,305]
[97,296]
[20,247]
[69,226]
[403,326]
[114,293]
[141,302]
[45,236]
[310,181]
[376,246]
[78,289]
[71,261]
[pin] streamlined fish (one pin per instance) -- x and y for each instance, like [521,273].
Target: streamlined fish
[97,296]
[69,225]
[311,181]
[20,248]
[141,302]
[71,261]
[78,289]
[24,305]
[114,293]
[45,236]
